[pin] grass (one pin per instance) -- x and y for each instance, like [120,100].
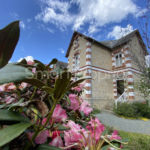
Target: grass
[137,141]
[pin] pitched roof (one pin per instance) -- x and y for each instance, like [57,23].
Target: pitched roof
[61,64]
[109,44]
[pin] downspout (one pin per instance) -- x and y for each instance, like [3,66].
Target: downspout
[91,75]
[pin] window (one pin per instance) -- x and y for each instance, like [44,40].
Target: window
[118,59]
[76,62]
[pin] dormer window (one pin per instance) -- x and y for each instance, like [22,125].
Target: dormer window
[118,59]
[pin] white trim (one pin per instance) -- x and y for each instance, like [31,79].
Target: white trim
[129,73]
[130,87]
[88,56]
[88,43]
[122,60]
[88,49]
[88,76]
[127,52]
[114,84]
[130,79]
[128,65]
[88,92]
[113,64]
[88,62]
[115,89]
[131,93]
[111,72]
[115,94]
[114,80]
[88,84]
[113,58]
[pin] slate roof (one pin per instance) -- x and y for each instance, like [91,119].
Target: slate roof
[62,64]
[114,43]
[109,44]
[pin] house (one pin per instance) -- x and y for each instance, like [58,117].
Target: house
[113,66]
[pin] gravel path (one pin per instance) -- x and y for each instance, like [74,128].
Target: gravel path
[136,126]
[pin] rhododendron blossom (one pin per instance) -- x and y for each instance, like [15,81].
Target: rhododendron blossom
[74,102]
[57,142]
[59,113]
[85,108]
[115,136]
[99,128]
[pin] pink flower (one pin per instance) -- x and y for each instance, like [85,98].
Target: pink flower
[57,142]
[55,134]
[74,102]
[41,138]
[9,100]
[11,87]
[99,128]
[2,88]
[85,108]
[59,113]
[34,70]
[23,85]
[30,62]
[115,136]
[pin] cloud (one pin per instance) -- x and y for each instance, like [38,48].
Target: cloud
[22,24]
[14,15]
[27,58]
[41,26]
[29,20]
[119,32]
[50,30]
[61,49]
[96,13]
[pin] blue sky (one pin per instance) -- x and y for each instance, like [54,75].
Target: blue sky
[47,25]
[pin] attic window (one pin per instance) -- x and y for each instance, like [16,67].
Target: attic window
[118,59]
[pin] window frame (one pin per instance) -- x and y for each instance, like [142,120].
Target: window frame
[120,64]
[77,62]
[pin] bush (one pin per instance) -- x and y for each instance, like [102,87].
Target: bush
[134,110]
[96,111]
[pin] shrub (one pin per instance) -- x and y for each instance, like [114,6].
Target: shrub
[96,111]
[134,110]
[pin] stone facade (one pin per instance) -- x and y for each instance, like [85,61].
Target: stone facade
[98,62]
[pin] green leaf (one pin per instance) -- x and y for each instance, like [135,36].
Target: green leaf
[54,61]
[61,84]
[8,115]
[40,65]
[68,100]
[122,140]
[14,73]
[35,82]
[11,132]
[61,127]
[14,105]
[105,132]
[74,84]
[47,147]
[9,37]
[114,144]
[82,113]
[48,90]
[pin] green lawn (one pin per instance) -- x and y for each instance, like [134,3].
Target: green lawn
[137,141]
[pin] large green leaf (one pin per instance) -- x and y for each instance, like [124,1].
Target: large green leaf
[8,115]
[47,147]
[61,84]
[48,90]
[40,65]
[54,61]
[13,73]
[9,37]
[11,132]
[74,84]
[35,82]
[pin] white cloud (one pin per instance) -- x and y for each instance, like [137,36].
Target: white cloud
[50,30]
[14,15]
[29,20]
[96,12]
[27,58]
[119,32]
[61,49]
[22,24]
[92,29]
[41,26]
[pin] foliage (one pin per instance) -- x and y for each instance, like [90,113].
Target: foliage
[45,110]
[134,110]
[96,111]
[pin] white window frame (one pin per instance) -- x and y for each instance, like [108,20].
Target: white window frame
[120,64]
